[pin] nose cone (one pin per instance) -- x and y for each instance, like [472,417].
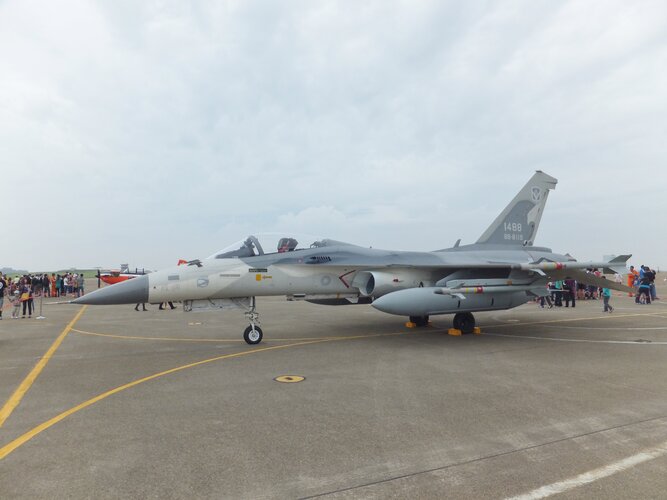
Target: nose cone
[409,302]
[388,304]
[132,291]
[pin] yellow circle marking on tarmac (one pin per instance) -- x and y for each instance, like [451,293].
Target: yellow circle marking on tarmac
[290,379]
[21,440]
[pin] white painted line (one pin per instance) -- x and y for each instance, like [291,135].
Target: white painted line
[594,475]
[604,328]
[630,342]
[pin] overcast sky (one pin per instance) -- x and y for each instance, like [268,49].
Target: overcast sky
[143,132]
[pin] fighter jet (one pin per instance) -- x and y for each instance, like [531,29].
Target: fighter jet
[502,270]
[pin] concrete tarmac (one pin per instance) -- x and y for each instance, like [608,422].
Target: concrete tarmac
[168,404]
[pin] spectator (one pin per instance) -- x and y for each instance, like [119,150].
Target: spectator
[632,276]
[16,302]
[651,274]
[558,293]
[80,284]
[569,292]
[581,291]
[26,299]
[606,295]
[3,290]
[644,289]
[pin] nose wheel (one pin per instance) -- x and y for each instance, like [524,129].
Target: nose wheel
[253,334]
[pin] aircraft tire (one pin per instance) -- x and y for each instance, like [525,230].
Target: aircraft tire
[419,320]
[253,336]
[464,322]
[456,322]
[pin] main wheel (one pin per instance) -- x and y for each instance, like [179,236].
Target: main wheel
[419,320]
[464,322]
[253,334]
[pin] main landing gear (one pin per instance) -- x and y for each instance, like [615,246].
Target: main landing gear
[464,322]
[253,334]
[419,321]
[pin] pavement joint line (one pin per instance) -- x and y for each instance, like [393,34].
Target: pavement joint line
[530,323]
[595,474]
[607,328]
[483,458]
[15,399]
[24,438]
[585,341]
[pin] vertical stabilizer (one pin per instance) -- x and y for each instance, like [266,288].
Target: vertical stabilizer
[518,223]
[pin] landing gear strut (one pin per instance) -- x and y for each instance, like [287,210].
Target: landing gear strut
[464,322]
[253,334]
[419,320]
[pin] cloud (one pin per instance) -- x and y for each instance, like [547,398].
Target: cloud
[152,131]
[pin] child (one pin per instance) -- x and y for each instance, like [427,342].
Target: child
[16,302]
[606,295]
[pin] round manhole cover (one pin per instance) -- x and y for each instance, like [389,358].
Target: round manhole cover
[290,379]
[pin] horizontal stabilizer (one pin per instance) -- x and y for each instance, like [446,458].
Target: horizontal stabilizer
[617,265]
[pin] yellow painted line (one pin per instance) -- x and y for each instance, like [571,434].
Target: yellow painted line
[128,337]
[16,443]
[15,399]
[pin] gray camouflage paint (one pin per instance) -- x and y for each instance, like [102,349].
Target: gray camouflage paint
[405,283]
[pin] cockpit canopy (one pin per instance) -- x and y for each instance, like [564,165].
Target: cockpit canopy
[271,243]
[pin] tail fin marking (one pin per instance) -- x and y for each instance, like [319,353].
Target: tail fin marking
[518,223]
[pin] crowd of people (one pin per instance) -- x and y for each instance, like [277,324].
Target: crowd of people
[568,291]
[643,281]
[22,291]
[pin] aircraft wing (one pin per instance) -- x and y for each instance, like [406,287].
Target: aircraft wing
[463,262]
[589,279]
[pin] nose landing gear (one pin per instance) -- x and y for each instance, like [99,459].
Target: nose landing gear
[253,334]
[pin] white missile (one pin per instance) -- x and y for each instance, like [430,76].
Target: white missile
[461,292]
